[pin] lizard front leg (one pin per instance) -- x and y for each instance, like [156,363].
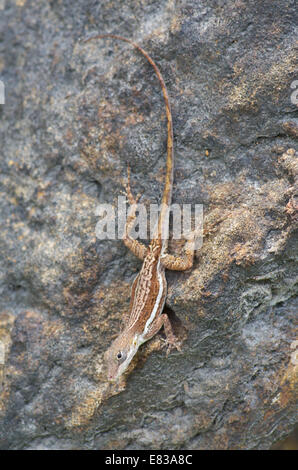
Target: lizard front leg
[137,248]
[163,320]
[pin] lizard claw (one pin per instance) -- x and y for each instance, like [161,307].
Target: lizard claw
[131,199]
[171,344]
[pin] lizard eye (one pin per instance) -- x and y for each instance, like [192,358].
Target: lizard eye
[121,356]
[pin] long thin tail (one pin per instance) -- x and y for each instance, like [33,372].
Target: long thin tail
[167,193]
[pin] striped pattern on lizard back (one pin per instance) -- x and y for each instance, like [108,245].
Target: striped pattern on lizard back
[148,291]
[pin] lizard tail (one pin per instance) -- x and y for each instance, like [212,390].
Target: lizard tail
[167,193]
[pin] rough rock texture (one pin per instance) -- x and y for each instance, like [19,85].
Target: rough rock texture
[75,115]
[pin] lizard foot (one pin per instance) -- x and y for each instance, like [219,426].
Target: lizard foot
[172,343]
[131,199]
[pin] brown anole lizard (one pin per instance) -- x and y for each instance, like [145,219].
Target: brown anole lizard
[148,294]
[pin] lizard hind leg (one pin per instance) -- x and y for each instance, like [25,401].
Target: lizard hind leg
[180,263]
[136,247]
[131,199]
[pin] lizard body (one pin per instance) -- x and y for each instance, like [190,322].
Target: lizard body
[149,289]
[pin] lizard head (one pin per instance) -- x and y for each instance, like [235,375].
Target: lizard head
[120,354]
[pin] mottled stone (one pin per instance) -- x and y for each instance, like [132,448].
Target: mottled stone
[75,115]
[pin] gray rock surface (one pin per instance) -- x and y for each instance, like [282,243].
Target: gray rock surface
[75,115]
